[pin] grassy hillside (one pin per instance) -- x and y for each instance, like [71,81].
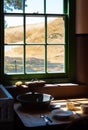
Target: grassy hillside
[35,34]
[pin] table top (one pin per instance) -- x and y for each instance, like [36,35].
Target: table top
[32,118]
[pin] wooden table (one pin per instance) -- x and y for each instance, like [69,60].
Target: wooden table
[31,118]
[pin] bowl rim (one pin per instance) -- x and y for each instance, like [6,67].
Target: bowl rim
[18,97]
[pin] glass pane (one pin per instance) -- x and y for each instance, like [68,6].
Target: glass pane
[13,6]
[55,58]
[54,6]
[35,30]
[34,6]
[13,62]
[55,30]
[35,58]
[13,30]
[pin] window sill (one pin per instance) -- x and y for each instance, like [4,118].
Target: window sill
[59,91]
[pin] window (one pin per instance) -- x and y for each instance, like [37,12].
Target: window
[36,39]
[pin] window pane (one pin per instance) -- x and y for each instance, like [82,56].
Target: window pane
[54,6]
[55,58]
[35,58]
[13,30]
[35,30]
[13,6]
[55,30]
[13,62]
[34,6]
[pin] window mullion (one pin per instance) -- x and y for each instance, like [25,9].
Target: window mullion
[45,43]
[45,36]
[24,45]
[44,6]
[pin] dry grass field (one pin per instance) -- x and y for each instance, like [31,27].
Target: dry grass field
[35,34]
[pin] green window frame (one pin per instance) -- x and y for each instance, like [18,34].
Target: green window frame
[68,72]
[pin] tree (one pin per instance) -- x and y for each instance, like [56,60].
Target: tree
[10,5]
[13,4]
[6,24]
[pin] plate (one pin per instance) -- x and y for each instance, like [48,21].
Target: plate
[59,113]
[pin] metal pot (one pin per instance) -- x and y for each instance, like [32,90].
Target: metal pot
[35,100]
